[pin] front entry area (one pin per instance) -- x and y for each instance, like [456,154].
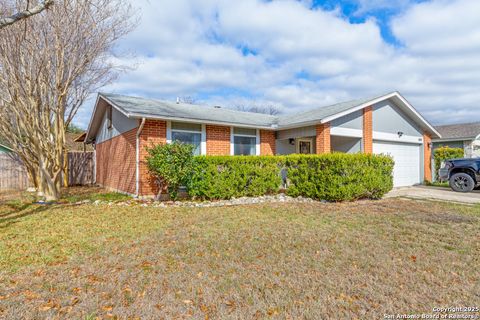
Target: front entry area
[407,161]
[305,146]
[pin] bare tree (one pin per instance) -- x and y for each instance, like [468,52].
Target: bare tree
[264,109]
[49,65]
[27,12]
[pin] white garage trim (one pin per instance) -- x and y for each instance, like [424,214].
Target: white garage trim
[407,157]
[396,138]
[383,136]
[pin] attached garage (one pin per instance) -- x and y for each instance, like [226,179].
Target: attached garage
[407,157]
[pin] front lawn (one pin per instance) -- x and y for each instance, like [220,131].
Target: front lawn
[286,261]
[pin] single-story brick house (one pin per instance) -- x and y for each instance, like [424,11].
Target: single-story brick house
[122,126]
[465,136]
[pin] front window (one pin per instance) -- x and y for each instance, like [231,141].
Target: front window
[244,142]
[188,133]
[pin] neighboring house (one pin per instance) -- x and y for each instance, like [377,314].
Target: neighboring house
[464,135]
[122,127]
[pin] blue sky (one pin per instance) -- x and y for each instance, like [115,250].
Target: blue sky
[297,55]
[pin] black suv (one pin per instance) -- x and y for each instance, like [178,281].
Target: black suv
[462,174]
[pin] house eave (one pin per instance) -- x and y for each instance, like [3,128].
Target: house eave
[199,121]
[454,139]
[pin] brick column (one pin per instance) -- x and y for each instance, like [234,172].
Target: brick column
[154,132]
[218,140]
[427,151]
[267,143]
[323,138]
[367,130]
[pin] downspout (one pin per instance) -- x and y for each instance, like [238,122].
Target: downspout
[137,161]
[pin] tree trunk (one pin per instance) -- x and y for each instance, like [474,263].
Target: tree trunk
[161,186]
[49,184]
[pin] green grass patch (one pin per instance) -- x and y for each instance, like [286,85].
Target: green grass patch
[299,261]
[437,184]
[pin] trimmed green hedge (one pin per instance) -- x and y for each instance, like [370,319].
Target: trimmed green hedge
[226,177]
[339,177]
[331,177]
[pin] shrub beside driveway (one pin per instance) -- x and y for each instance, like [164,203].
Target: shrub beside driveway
[312,260]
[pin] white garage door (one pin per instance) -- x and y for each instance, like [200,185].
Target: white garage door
[407,161]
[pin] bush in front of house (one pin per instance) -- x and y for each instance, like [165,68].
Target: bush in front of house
[226,177]
[171,165]
[446,153]
[339,176]
[331,177]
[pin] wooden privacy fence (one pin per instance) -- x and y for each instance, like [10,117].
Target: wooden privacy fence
[81,168]
[13,175]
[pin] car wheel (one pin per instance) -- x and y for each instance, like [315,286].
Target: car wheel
[462,182]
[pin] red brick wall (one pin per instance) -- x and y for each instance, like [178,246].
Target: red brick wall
[267,143]
[218,140]
[323,138]
[116,162]
[427,157]
[154,132]
[367,130]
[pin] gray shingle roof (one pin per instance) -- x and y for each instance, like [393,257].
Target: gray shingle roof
[459,131]
[141,107]
[322,112]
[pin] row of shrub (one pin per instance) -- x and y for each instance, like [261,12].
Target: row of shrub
[331,177]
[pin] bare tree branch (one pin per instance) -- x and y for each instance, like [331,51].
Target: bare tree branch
[43,5]
[49,65]
[264,109]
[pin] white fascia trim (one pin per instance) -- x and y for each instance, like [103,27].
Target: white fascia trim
[384,136]
[377,100]
[203,145]
[346,132]
[232,142]
[257,146]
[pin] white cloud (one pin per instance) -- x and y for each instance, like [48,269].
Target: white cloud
[194,48]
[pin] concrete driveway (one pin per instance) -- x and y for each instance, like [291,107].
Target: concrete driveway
[435,193]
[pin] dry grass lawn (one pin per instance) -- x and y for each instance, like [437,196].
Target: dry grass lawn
[281,261]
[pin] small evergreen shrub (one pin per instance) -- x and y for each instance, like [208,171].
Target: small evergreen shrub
[171,165]
[446,153]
